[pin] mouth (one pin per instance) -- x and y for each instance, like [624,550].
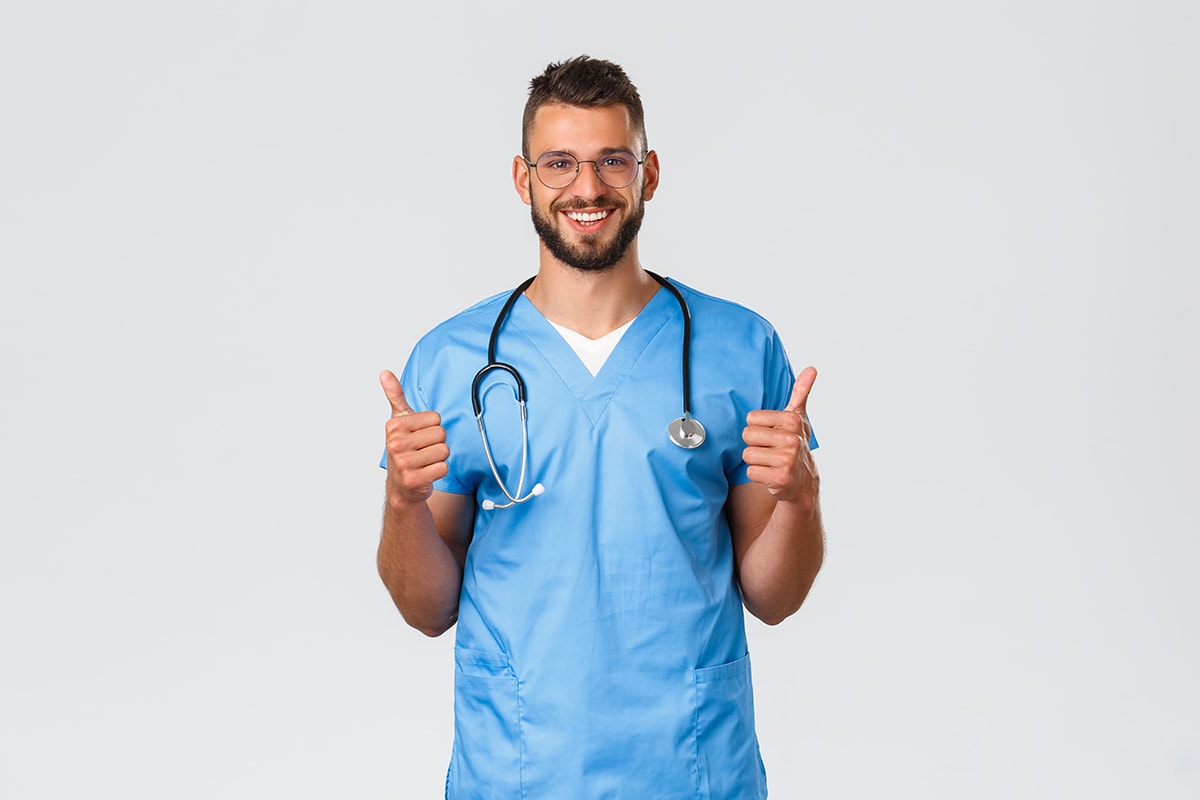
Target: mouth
[587,220]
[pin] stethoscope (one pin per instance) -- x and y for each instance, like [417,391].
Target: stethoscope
[686,431]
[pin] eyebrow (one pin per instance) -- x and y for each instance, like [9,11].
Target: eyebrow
[604,152]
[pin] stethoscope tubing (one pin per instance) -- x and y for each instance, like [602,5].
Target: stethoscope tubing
[687,340]
[686,431]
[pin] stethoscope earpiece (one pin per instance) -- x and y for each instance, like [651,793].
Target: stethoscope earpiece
[488,505]
[686,432]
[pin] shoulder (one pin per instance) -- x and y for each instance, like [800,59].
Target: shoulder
[725,315]
[440,366]
[741,344]
[453,346]
[473,316]
[465,326]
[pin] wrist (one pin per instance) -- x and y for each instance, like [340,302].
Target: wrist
[400,502]
[799,504]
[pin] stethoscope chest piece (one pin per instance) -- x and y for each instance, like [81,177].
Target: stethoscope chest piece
[686,432]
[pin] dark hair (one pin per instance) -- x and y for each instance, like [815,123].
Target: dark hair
[583,81]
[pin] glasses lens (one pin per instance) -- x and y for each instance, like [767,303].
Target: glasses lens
[617,169]
[557,170]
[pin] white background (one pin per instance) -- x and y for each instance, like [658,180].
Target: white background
[219,221]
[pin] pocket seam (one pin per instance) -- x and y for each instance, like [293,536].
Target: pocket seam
[722,671]
[487,663]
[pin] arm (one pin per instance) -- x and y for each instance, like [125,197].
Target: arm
[425,534]
[775,520]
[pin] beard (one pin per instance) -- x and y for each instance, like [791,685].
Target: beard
[590,254]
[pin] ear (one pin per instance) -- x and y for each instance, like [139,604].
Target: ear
[521,179]
[650,170]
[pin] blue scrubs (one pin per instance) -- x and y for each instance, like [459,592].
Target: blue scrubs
[601,648]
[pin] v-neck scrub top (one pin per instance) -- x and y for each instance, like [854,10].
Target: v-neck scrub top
[601,647]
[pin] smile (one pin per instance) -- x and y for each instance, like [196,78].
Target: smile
[587,217]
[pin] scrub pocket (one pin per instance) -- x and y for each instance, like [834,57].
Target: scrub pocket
[730,764]
[486,762]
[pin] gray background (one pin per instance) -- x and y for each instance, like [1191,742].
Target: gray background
[219,221]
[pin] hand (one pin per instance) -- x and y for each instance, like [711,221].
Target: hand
[777,447]
[416,447]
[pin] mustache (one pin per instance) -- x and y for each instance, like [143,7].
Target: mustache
[580,203]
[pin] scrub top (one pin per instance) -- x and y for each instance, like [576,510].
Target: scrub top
[601,649]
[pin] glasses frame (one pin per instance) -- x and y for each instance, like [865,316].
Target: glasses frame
[595,166]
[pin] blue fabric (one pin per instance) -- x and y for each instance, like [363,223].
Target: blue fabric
[601,648]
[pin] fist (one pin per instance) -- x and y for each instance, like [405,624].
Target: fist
[777,447]
[416,447]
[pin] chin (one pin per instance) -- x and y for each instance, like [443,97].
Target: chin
[595,257]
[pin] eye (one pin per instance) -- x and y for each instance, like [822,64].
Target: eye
[556,162]
[617,161]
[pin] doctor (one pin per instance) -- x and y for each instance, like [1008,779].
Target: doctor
[600,647]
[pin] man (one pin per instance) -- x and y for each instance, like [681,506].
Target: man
[595,567]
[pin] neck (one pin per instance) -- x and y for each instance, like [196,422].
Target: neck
[591,303]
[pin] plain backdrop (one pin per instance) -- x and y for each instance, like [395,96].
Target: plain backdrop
[219,221]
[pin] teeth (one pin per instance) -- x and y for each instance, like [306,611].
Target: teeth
[581,217]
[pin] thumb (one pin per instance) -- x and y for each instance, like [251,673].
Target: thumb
[395,393]
[798,402]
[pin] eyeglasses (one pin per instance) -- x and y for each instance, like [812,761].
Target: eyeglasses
[559,170]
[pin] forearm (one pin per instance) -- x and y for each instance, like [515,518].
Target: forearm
[775,520]
[421,571]
[778,567]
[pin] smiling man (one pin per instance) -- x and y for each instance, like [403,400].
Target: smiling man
[591,476]
[599,244]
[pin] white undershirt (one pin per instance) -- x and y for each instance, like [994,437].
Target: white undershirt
[592,352]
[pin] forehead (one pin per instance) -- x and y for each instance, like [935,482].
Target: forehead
[581,130]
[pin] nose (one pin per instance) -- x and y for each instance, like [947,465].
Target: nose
[587,183]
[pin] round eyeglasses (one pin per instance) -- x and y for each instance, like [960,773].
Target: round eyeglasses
[616,170]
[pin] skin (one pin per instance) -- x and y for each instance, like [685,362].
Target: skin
[775,519]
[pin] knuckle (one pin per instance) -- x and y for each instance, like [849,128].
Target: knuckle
[412,481]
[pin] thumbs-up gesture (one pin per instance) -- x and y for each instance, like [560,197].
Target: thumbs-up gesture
[416,447]
[777,447]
